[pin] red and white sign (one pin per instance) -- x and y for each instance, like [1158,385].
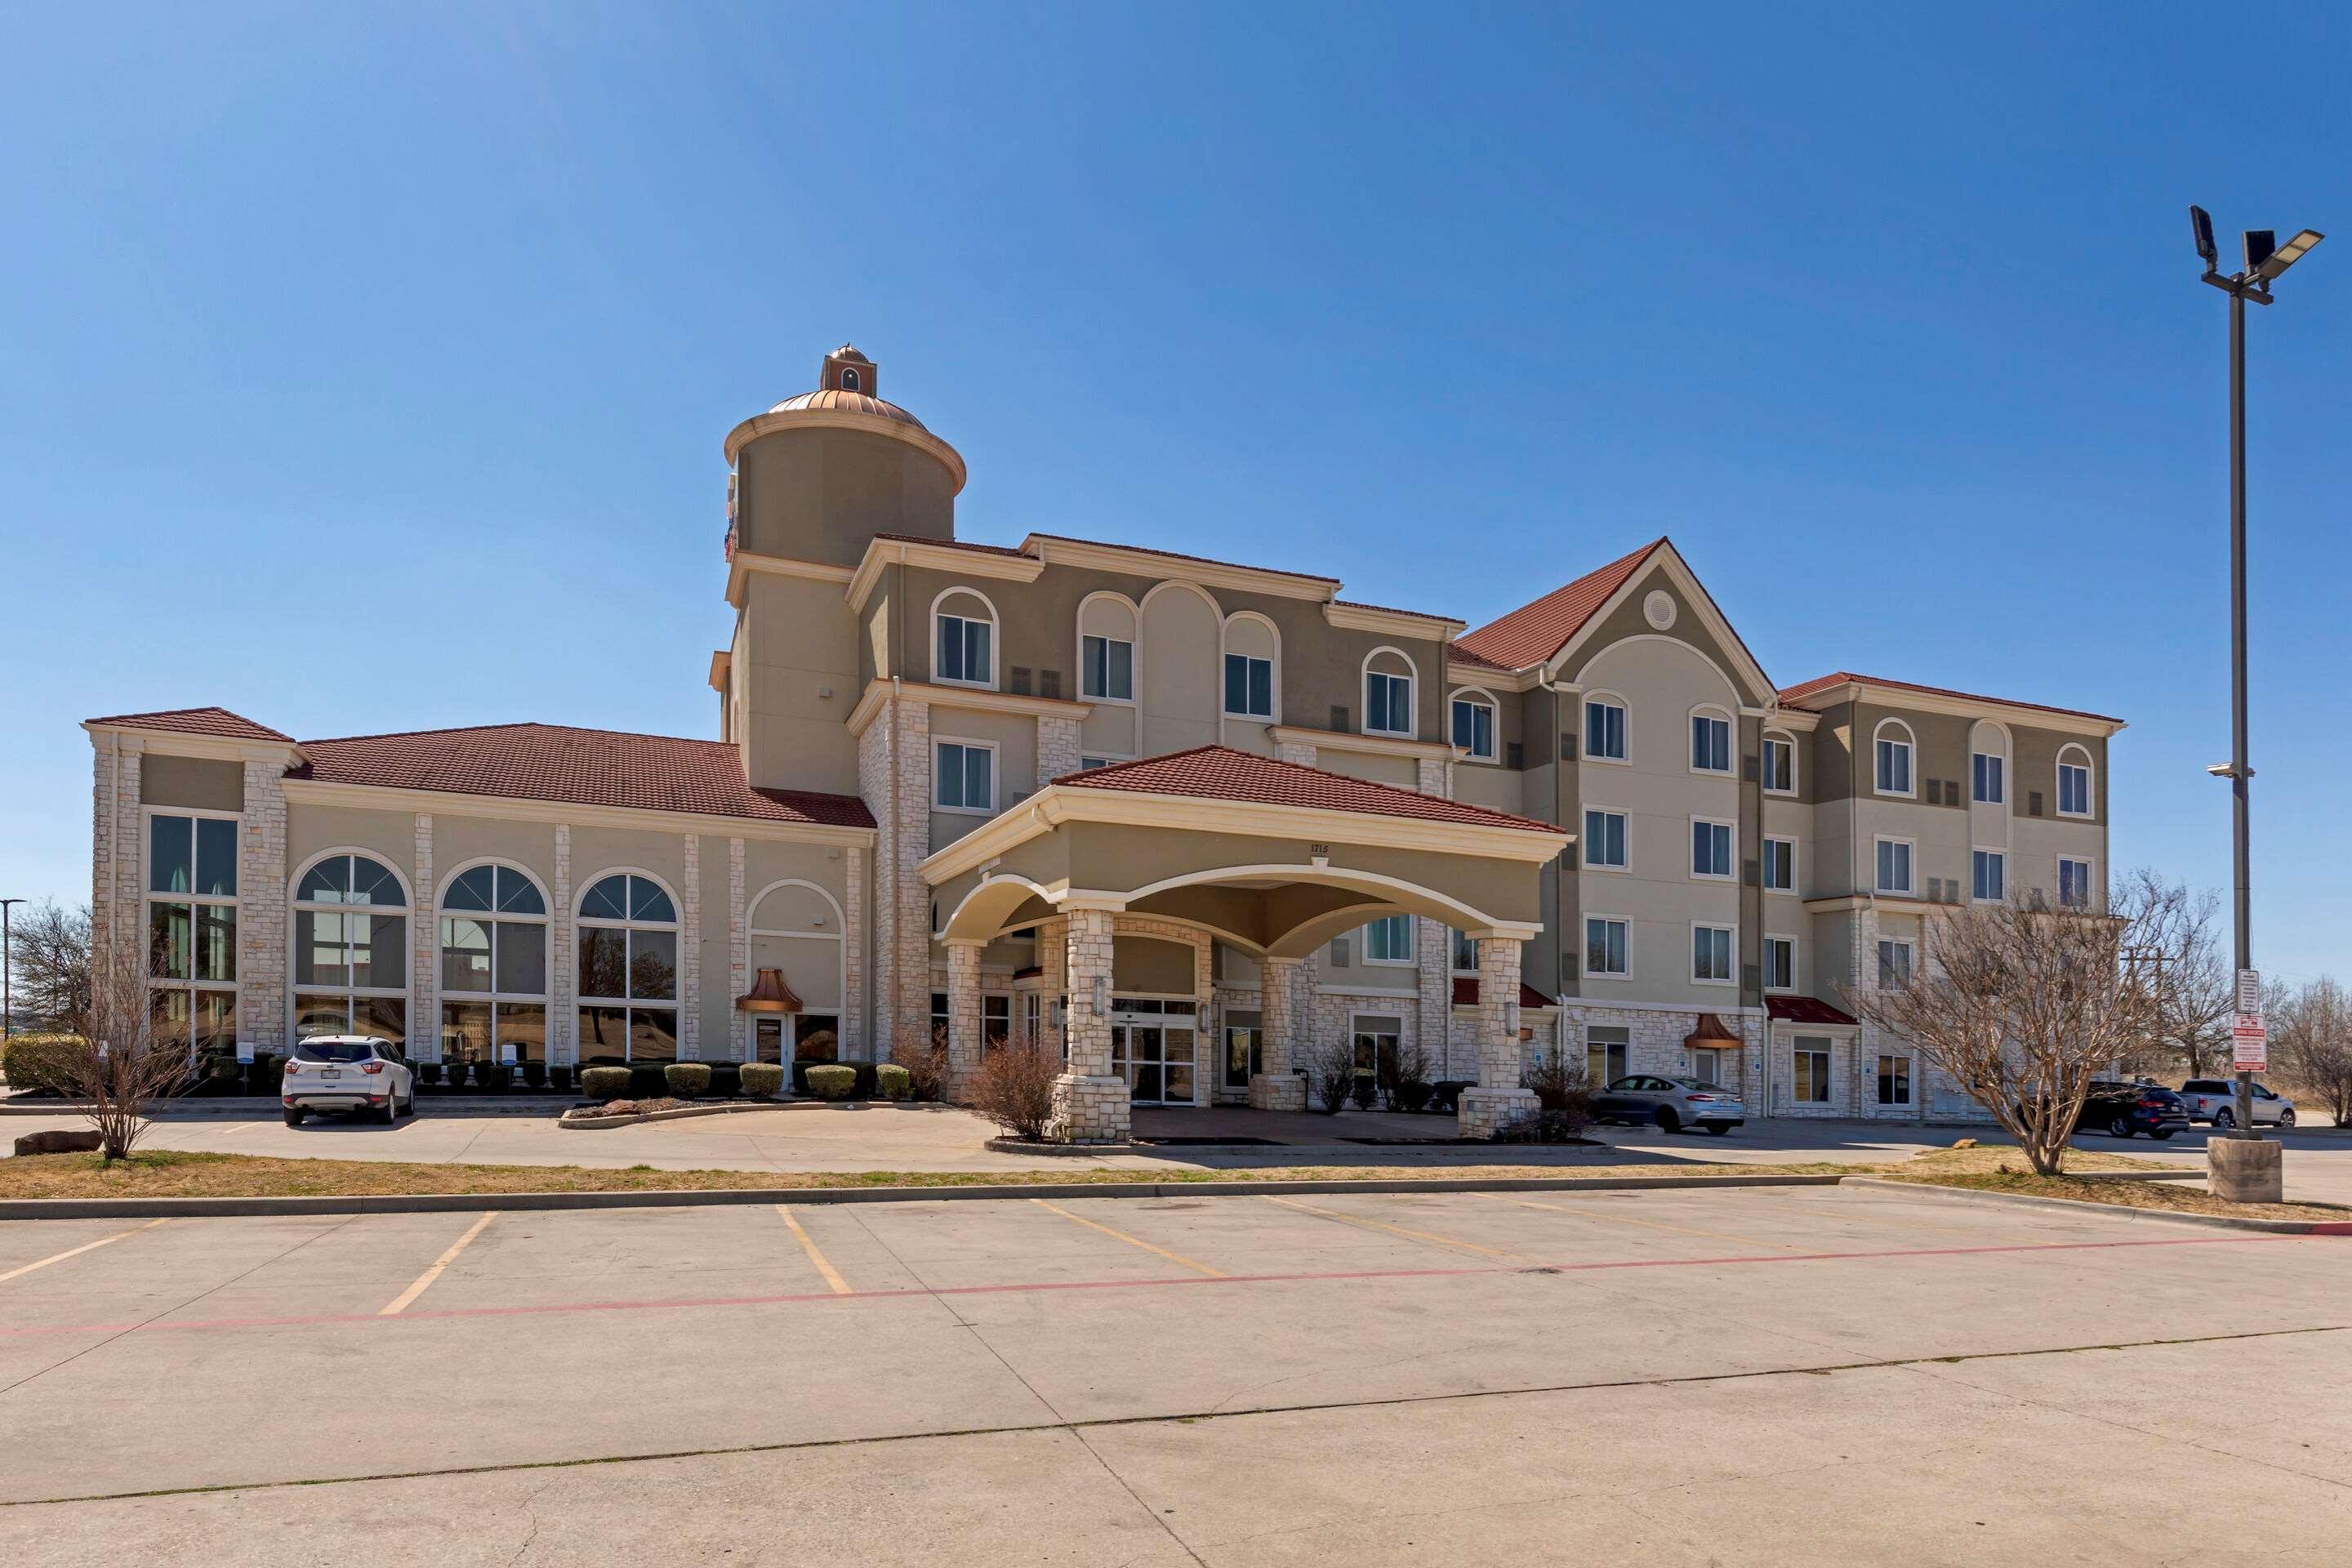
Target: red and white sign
[2249,1046]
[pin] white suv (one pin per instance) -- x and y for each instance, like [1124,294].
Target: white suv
[2215,1099]
[352,1073]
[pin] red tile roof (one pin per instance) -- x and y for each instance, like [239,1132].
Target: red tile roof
[1798,693]
[1533,633]
[217,721]
[1460,655]
[582,767]
[1466,993]
[1805,1010]
[1221,772]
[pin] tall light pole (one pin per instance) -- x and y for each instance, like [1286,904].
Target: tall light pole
[2265,260]
[8,972]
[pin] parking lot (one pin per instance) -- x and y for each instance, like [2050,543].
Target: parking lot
[1806,1375]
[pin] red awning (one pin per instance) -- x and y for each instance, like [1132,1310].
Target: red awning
[1807,1010]
[1466,995]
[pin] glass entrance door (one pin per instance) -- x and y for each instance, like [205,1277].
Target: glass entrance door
[1154,1054]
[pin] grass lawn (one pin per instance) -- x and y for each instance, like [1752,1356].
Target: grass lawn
[2004,1169]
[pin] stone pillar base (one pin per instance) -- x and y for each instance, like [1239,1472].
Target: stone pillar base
[2246,1170]
[1483,1113]
[1277,1091]
[1088,1110]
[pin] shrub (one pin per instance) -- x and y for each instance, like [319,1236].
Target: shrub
[604,1083]
[428,1072]
[456,1075]
[1014,1087]
[1367,1093]
[1397,1066]
[1412,1094]
[559,1078]
[726,1080]
[534,1073]
[39,1061]
[648,1081]
[892,1081]
[761,1080]
[1331,1074]
[833,1080]
[495,1077]
[1562,1091]
[1541,1126]
[926,1067]
[687,1080]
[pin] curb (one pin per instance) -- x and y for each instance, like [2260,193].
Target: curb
[572,1122]
[444,1203]
[2077,1206]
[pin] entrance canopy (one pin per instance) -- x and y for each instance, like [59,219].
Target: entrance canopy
[1274,857]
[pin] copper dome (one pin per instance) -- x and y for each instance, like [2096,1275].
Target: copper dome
[847,403]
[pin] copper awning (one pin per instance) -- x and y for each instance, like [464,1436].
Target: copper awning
[769,993]
[1710,1035]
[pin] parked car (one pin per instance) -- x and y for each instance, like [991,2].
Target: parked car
[1673,1103]
[2120,1110]
[350,1074]
[2215,1099]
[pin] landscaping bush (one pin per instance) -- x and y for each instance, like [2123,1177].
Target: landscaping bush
[1366,1093]
[495,1077]
[926,1067]
[726,1080]
[761,1080]
[1331,1074]
[1562,1092]
[428,1072]
[1541,1126]
[648,1081]
[1412,1094]
[456,1074]
[892,1081]
[1014,1087]
[534,1073]
[39,1061]
[833,1080]
[687,1080]
[559,1078]
[606,1083]
[1397,1065]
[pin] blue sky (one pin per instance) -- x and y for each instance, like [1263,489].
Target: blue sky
[366,369]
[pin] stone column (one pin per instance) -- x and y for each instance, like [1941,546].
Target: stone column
[739,959]
[1281,1046]
[119,856]
[689,955]
[963,1019]
[1090,1106]
[1054,958]
[1498,1099]
[262,938]
[1057,748]
[855,1034]
[424,952]
[564,976]
[1433,956]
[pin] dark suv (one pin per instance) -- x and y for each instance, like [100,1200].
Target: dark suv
[2120,1110]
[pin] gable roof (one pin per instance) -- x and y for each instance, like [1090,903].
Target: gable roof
[1534,632]
[581,767]
[1796,695]
[217,721]
[1221,772]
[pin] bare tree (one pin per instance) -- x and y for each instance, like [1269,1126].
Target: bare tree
[2179,953]
[2312,1030]
[1331,1069]
[926,1064]
[2021,1006]
[119,1068]
[1014,1087]
[48,964]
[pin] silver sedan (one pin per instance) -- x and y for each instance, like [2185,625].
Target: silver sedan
[1671,1103]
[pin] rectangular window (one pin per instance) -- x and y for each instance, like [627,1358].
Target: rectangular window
[1605,1046]
[1779,767]
[1604,731]
[995,1019]
[2074,790]
[1780,865]
[1989,786]
[1388,703]
[963,777]
[1107,668]
[962,654]
[1604,839]
[1389,939]
[1249,686]
[1711,953]
[1894,866]
[1894,767]
[1710,849]
[1465,954]
[1991,867]
[1710,744]
[2074,883]
[1604,946]
[1895,1080]
[1894,964]
[939,1019]
[1810,1080]
[1088,765]
[1779,964]
[1474,727]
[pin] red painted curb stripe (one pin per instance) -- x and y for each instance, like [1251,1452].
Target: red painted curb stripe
[683,1303]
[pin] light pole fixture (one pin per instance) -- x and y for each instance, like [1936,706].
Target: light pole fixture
[2266,261]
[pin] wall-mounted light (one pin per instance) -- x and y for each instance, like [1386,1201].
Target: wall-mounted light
[1102,996]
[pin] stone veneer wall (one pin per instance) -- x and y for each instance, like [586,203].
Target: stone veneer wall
[262,936]
[739,957]
[563,963]
[689,956]
[1057,748]
[117,853]
[424,949]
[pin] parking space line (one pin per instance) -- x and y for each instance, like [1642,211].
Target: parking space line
[808,1244]
[85,1246]
[1645,1224]
[1391,1229]
[1131,1240]
[400,1303]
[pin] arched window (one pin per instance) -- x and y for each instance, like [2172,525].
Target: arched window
[849,382]
[351,949]
[1473,724]
[1253,673]
[493,965]
[2075,796]
[1710,733]
[1988,763]
[796,927]
[1388,692]
[628,972]
[1892,748]
[1780,764]
[963,638]
[1605,726]
[1107,629]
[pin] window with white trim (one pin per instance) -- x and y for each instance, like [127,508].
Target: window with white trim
[963,777]
[1249,686]
[1711,848]
[1989,879]
[1711,948]
[1606,952]
[2074,883]
[1780,865]
[1779,964]
[1605,1046]
[1988,783]
[2073,782]
[1894,866]
[1894,964]
[1388,694]
[1894,1080]
[1088,765]
[1780,766]
[1465,953]
[1892,746]
[1389,939]
[1710,743]
[963,640]
[1604,839]
[1107,668]
[628,972]
[1808,1078]
[1604,729]
[351,949]
[493,965]
[1474,727]
[191,907]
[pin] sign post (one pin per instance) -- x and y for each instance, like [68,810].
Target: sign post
[2249,1046]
